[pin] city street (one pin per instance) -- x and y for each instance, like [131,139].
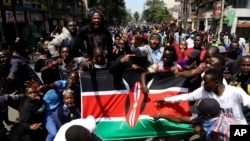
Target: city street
[13,114]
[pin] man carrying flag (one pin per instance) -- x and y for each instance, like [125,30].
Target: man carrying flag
[121,112]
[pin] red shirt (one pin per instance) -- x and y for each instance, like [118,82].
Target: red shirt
[178,51]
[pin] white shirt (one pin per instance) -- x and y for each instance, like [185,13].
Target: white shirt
[231,100]
[88,123]
[190,43]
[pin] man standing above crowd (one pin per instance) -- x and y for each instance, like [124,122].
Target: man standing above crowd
[93,35]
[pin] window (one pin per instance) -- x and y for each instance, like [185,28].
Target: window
[240,3]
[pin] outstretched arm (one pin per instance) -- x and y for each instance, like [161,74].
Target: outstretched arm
[143,82]
[173,118]
[190,73]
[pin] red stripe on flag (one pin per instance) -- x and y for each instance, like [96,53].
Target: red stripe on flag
[114,105]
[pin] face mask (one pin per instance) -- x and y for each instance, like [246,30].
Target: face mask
[66,107]
[207,124]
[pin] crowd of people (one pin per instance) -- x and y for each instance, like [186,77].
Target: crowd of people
[214,65]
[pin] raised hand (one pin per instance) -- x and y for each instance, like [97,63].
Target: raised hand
[159,101]
[156,116]
[127,58]
[35,126]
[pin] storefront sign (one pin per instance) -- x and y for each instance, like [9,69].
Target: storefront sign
[27,3]
[7,2]
[19,17]
[243,23]
[58,16]
[217,10]
[19,3]
[36,16]
[36,4]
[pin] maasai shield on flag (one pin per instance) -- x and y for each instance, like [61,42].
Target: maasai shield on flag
[120,109]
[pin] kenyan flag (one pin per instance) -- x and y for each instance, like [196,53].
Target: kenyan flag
[120,109]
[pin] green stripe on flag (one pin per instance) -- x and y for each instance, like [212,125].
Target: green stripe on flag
[145,128]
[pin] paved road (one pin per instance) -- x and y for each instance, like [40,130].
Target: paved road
[13,114]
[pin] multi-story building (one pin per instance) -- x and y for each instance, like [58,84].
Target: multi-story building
[234,19]
[35,18]
[238,17]
[171,3]
[204,12]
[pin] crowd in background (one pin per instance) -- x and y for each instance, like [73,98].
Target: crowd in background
[212,62]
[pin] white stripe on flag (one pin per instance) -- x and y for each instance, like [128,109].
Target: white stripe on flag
[174,89]
[121,118]
[113,92]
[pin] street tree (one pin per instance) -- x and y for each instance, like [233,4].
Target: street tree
[129,17]
[136,16]
[114,11]
[156,12]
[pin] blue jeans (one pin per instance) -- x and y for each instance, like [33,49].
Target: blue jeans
[50,125]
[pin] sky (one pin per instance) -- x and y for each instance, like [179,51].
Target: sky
[135,5]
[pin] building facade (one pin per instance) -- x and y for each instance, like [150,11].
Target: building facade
[36,18]
[238,17]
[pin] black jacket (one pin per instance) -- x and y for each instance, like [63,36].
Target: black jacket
[29,114]
[84,41]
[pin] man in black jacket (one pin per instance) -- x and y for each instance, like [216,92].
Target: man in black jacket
[93,35]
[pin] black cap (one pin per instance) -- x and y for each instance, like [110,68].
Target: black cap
[194,54]
[206,106]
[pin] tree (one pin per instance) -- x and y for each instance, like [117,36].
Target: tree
[128,17]
[136,16]
[156,12]
[114,11]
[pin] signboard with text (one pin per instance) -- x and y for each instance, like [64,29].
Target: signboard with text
[10,17]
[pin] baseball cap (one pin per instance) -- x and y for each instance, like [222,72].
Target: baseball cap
[222,49]
[88,123]
[206,106]
[194,54]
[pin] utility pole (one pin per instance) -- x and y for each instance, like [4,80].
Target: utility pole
[197,15]
[221,17]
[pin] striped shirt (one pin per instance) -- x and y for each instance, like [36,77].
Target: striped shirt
[159,67]
[221,129]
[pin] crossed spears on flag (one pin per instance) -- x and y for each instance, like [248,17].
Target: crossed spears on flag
[136,98]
